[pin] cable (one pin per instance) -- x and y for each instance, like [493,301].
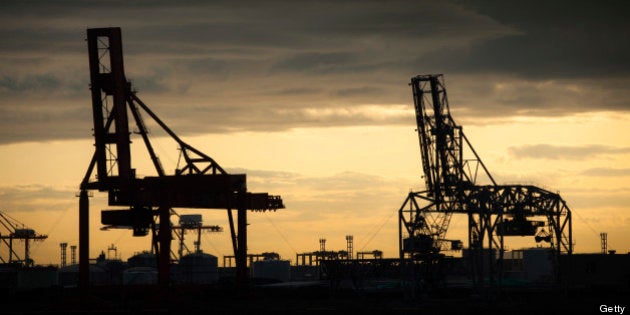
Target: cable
[122,234]
[209,240]
[588,225]
[378,230]
[279,232]
[36,245]
[373,229]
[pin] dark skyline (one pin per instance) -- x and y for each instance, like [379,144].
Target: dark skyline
[311,100]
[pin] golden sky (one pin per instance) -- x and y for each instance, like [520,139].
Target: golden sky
[313,104]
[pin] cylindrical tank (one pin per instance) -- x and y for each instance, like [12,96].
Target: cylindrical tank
[140,275]
[272,269]
[143,259]
[198,268]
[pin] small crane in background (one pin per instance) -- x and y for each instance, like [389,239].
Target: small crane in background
[12,229]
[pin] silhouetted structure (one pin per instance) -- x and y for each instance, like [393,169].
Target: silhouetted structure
[604,241]
[73,254]
[451,171]
[64,251]
[316,257]
[191,222]
[251,258]
[376,254]
[200,183]
[350,246]
[12,229]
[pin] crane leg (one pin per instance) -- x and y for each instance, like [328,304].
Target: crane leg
[84,239]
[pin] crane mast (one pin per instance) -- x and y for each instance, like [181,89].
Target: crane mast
[440,144]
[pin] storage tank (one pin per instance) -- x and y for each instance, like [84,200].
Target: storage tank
[142,259]
[198,268]
[272,269]
[140,275]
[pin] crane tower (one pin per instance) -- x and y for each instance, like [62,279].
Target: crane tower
[200,182]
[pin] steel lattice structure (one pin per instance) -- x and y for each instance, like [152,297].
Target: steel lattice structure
[452,171]
[200,183]
[12,229]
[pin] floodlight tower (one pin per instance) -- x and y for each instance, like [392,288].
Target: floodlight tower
[64,249]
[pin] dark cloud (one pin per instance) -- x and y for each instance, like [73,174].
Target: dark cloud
[230,66]
[198,119]
[297,91]
[477,99]
[45,82]
[24,123]
[36,198]
[555,40]
[315,62]
[366,91]
[554,152]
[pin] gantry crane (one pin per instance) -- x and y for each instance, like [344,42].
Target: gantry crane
[192,222]
[12,229]
[199,183]
[453,173]
[187,222]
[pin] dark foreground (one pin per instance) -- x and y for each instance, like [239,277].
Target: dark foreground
[320,299]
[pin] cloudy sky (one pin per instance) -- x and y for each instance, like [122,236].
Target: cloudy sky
[311,100]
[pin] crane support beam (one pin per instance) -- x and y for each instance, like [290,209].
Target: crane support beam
[109,89]
[84,239]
